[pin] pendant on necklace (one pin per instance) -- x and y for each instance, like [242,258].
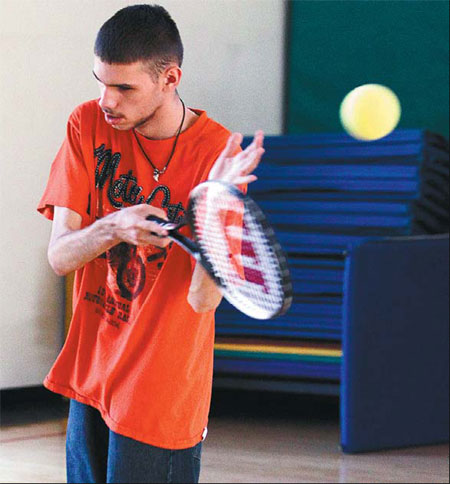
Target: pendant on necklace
[156,175]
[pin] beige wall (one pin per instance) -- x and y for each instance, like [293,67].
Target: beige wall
[233,68]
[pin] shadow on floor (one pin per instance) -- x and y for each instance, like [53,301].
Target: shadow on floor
[265,404]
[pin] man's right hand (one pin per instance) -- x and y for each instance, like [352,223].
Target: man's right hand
[130,225]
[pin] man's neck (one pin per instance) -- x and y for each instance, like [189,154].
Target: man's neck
[166,121]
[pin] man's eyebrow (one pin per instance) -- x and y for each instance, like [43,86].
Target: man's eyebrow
[127,86]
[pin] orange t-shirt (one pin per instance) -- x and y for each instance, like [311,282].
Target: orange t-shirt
[135,350]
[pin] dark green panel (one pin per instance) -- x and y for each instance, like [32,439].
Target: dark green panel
[337,45]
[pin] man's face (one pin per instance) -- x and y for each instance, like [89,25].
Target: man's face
[129,95]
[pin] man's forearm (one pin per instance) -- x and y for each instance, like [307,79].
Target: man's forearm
[71,247]
[203,293]
[75,248]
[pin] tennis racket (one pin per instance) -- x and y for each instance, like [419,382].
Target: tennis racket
[236,245]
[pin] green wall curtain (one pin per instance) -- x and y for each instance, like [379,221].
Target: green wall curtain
[334,46]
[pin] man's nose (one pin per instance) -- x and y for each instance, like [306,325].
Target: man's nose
[108,100]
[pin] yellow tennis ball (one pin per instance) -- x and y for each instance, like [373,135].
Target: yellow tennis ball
[370,112]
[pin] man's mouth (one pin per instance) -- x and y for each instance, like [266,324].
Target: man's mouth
[112,119]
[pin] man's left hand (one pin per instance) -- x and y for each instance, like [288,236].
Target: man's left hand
[237,168]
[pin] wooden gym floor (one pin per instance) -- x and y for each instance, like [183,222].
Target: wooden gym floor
[253,437]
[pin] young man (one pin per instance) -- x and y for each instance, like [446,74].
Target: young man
[137,362]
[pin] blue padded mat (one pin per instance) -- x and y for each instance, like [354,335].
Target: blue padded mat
[323,193]
[395,373]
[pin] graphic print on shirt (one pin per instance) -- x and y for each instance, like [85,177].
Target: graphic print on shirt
[130,269]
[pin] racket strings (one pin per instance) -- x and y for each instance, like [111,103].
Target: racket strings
[233,236]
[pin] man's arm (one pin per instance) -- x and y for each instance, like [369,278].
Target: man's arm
[203,293]
[236,169]
[71,247]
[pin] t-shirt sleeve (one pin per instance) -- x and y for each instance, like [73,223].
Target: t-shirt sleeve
[68,182]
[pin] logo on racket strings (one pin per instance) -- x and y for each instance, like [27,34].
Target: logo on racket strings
[243,256]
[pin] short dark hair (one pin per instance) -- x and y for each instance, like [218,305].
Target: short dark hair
[140,33]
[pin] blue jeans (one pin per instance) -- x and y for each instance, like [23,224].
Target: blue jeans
[97,454]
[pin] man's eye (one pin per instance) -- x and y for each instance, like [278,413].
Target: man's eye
[125,88]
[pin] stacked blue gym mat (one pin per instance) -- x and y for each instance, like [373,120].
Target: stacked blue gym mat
[322,193]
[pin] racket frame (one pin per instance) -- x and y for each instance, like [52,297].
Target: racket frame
[193,246]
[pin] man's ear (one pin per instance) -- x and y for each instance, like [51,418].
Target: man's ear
[172,77]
